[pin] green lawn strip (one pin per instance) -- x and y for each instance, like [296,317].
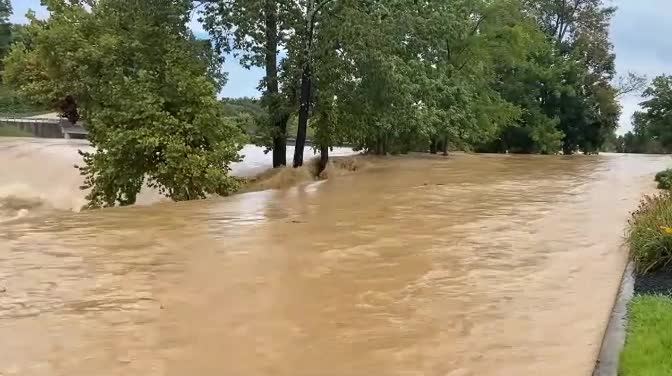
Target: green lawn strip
[23,114]
[648,346]
[13,132]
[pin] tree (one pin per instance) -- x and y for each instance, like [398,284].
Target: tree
[631,83]
[401,76]
[5,28]
[142,87]
[588,109]
[255,30]
[565,86]
[653,126]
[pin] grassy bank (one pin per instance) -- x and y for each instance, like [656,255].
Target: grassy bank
[648,347]
[13,132]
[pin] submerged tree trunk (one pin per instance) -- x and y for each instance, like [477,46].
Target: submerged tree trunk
[567,148]
[445,145]
[277,118]
[433,147]
[280,142]
[304,112]
[306,87]
[324,158]
[379,146]
[439,145]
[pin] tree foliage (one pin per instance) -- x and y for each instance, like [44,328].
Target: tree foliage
[145,89]
[5,27]
[387,76]
[652,131]
[565,86]
[254,31]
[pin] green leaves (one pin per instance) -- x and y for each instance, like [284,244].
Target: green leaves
[653,126]
[147,90]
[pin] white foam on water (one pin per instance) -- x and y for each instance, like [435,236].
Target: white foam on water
[39,175]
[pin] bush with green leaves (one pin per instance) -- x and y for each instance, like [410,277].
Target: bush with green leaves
[664,179]
[650,233]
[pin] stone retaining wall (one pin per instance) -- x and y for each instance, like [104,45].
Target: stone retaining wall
[38,128]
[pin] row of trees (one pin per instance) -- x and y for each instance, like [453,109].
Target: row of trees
[393,76]
[387,76]
[652,127]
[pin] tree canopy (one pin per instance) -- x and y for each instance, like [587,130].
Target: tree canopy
[385,76]
[652,127]
[531,76]
[146,91]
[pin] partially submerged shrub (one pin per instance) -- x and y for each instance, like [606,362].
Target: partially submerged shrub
[650,233]
[664,179]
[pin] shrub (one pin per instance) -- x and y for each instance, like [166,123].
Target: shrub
[664,179]
[650,233]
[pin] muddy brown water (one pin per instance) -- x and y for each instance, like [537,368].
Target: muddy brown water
[471,265]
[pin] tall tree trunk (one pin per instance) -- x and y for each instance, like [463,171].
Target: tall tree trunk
[433,147]
[568,147]
[280,141]
[306,87]
[445,145]
[324,158]
[304,112]
[277,118]
[439,144]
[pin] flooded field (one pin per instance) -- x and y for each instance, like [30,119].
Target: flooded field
[416,265]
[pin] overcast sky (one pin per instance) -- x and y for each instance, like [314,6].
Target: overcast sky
[639,32]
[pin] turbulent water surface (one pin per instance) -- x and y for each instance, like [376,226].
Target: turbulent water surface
[469,265]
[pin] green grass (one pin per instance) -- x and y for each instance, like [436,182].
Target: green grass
[13,132]
[650,233]
[664,179]
[648,346]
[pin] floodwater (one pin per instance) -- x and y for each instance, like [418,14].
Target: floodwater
[468,265]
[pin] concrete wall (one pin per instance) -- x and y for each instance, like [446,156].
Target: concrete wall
[38,128]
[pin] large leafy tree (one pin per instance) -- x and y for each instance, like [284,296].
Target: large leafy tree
[564,87]
[144,91]
[589,110]
[400,76]
[255,31]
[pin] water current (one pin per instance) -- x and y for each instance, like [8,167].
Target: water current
[414,265]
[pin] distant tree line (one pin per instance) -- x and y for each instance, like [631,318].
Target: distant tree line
[652,127]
